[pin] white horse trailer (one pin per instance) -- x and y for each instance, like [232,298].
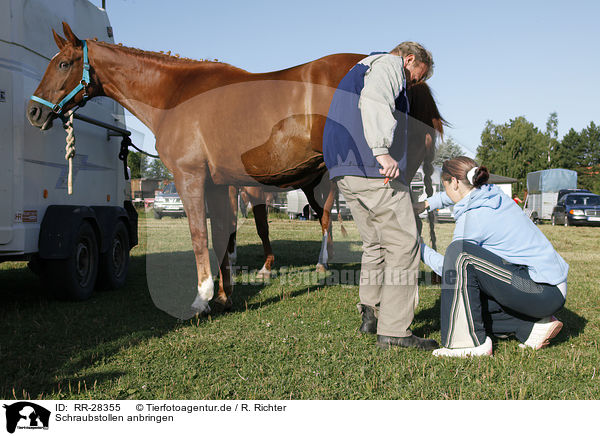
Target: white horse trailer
[542,191]
[74,242]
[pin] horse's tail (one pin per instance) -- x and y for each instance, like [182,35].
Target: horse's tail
[427,172]
[339,213]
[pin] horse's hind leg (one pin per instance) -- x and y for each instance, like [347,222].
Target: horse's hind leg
[232,245]
[320,197]
[220,225]
[191,189]
[259,209]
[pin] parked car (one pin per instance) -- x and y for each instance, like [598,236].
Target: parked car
[577,208]
[168,202]
[570,191]
[445,215]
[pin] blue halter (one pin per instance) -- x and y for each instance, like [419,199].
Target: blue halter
[85,80]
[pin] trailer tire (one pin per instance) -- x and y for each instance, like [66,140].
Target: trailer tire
[534,218]
[113,265]
[74,278]
[157,215]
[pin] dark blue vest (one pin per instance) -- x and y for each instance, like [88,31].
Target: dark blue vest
[345,148]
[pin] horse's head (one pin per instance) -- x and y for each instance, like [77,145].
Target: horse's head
[66,83]
[424,110]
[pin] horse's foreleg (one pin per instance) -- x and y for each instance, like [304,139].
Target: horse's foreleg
[326,253]
[220,226]
[191,189]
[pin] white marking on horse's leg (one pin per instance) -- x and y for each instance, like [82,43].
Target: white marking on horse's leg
[264,273]
[233,255]
[231,260]
[205,293]
[324,255]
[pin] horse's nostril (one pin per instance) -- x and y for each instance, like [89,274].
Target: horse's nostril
[34,113]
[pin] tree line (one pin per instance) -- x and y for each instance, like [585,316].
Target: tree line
[518,147]
[143,167]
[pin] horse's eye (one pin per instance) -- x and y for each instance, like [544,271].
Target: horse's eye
[63,65]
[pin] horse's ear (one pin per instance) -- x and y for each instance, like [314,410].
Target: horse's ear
[60,41]
[70,35]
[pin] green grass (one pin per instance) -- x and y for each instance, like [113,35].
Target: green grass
[291,340]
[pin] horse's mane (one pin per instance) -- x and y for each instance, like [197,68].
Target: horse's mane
[166,58]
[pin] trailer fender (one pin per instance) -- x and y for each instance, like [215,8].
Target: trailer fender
[107,217]
[58,229]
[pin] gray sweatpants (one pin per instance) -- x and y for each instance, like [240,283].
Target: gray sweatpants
[391,253]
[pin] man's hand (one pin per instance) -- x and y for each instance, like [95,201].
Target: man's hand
[420,207]
[389,164]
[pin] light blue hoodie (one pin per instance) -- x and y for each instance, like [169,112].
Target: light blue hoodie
[489,218]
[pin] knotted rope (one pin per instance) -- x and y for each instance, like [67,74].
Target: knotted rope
[70,148]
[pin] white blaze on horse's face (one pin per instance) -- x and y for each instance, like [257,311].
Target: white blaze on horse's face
[205,293]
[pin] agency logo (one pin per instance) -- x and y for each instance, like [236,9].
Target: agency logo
[27,416]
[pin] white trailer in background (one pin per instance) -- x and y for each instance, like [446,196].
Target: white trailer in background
[75,242]
[542,191]
[298,206]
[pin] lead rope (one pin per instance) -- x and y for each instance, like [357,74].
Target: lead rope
[70,148]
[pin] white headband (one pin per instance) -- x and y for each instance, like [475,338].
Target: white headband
[471,174]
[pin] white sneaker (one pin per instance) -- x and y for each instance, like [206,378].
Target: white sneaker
[543,330]
[484,349]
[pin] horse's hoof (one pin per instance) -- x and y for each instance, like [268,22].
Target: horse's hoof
[222,303]
[321,268]
[200,306]
[263,274]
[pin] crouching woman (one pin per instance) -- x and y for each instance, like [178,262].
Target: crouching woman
[500,275]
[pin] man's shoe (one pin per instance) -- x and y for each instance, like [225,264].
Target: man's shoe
[543,330]
[409,341]
[369,320]
[484,349]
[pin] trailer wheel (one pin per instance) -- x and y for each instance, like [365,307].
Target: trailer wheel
[114,263]
[74,278]
[157,215]
[306,212]
[534,218]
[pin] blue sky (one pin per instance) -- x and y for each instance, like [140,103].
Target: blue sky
[494,60]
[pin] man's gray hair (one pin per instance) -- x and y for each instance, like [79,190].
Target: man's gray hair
[421,54]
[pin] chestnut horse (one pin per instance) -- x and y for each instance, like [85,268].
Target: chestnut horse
[215,125]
